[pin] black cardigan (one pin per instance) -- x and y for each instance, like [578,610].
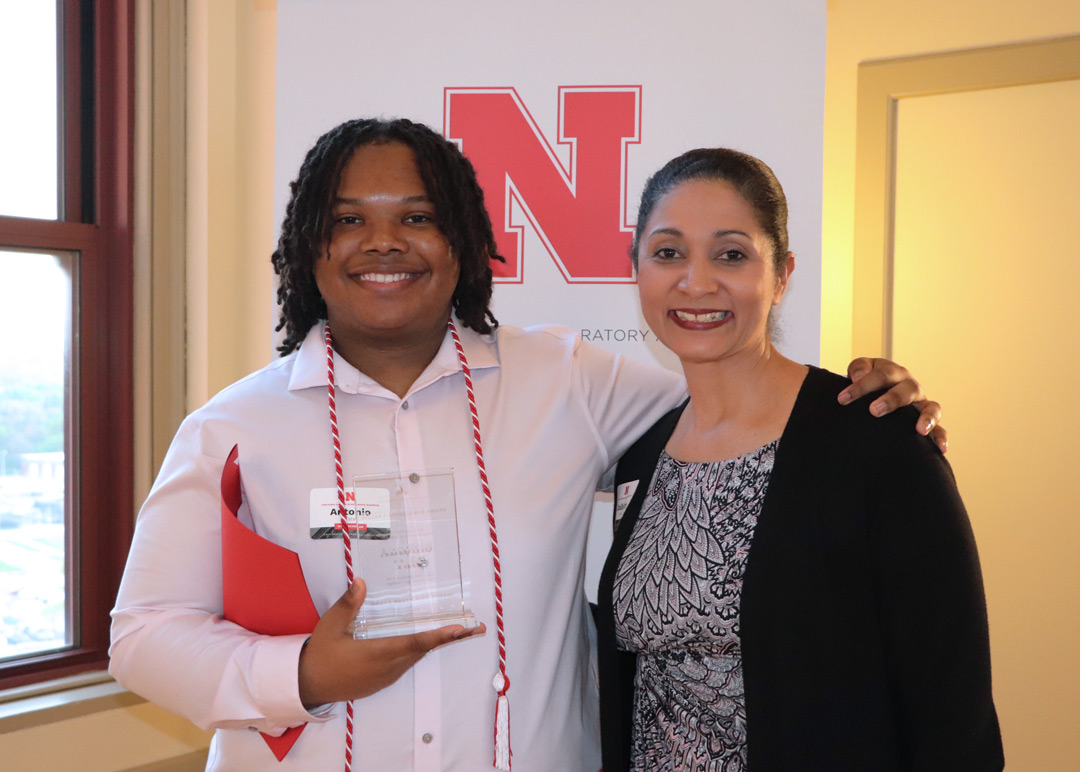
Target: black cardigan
[863,618]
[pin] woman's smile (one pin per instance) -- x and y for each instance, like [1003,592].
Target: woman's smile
[690,319]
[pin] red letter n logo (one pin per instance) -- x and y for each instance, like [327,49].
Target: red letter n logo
[579,211]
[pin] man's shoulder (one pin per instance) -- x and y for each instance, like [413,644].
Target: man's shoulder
[554,335]
[555,338]
[258,388]
[549,347]
[557,354]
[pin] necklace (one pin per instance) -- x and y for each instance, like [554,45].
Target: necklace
[501,682]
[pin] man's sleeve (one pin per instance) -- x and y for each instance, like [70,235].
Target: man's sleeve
[170,643]
[623,397]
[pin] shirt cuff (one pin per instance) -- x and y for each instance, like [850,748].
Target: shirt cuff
[275,684]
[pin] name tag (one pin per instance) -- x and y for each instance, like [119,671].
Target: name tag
[367,511]
[623,494]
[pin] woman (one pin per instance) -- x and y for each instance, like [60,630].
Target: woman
[792,586]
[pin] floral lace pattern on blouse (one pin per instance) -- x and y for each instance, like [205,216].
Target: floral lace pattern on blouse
[677,593]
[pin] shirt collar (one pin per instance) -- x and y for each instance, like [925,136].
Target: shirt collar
[309,369]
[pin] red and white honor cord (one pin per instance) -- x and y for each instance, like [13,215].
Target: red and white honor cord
[501,683]
[342,514]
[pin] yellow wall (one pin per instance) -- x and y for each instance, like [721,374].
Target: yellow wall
[989,178]
[981,266]
[864,30]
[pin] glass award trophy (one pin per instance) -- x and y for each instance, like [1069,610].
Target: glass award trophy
[404,535]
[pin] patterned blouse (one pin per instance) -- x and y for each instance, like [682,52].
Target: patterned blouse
[677,594]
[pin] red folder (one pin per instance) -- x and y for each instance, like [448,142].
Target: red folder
[263,584]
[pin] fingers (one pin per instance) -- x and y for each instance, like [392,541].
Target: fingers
[333,667]
[859,367]
[876,374]
[873,374]
[860,371]
[328,648]
[348,605]
[903,393]
[384,660]
[941,437]
[422,643]
[929,415]
[338,619]
[928,423]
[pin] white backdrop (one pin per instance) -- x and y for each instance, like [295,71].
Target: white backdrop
[749,75]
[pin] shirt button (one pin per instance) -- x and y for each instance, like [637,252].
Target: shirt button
[405,405]
[415,478]
[427,738]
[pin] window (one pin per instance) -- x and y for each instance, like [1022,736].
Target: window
[65,311]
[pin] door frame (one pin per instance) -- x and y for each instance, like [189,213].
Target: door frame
[881,85]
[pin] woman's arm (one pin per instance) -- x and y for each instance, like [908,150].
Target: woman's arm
[932,610]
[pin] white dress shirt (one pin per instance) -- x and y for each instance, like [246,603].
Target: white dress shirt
[555,414]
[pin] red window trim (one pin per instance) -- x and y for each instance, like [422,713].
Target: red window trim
[105,436]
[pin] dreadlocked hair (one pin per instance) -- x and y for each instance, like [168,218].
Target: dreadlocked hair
[449,180]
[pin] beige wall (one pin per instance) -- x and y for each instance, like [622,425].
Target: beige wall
[230,191]
[979,273]
[989,178]
[113,736]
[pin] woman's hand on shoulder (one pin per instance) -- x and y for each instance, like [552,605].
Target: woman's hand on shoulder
[870,374]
